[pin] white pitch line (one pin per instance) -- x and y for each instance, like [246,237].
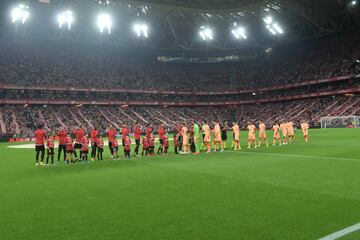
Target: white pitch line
[342,233]
[300,156]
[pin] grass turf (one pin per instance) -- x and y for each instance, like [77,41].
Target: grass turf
[297,191]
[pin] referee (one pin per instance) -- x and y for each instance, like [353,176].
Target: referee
[224,137]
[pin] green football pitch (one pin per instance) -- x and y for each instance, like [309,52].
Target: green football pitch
[298,191]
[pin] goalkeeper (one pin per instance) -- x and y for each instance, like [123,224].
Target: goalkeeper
[197,140]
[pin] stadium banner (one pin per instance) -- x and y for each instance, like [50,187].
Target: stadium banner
[230,58]
[340,122]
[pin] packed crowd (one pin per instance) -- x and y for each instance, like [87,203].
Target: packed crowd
[22,120]
[129,97]
[56,64]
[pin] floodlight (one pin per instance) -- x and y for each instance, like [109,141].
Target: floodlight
[278,28]
[144,28]
[234,32]
[65,17]
[273,26]
[137,29]
[273,31]
[104,22]
[239,32]
[268,20]
[206,33]
[202,35]
[141,30]
[20,13]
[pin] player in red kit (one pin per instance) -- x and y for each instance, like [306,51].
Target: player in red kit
[145,146]
[161,133]
[166,144]
[115,145]
[148,131]
[69,149]
[94,137]
[85,149]
[40,136]
[100,145]
[137,136]
[111,133]
[127,147]
[79,134]
[50,150]
[124,132]
[62,134]
[151,145]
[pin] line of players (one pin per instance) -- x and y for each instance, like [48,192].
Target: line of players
[74,146]
[220,135]
[286,129]
[77,148]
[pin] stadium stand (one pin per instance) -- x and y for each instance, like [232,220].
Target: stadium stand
[65,86]
[20,120]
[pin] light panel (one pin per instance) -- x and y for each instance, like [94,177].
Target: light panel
[20,13]
[206,33]
[239,32]
[141,30]
[104,22]
[67,18]
[273,27]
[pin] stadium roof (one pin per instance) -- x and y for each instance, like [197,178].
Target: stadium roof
[203,4]
[174,24]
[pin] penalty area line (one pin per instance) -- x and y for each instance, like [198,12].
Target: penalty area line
[342,233]
[299,156]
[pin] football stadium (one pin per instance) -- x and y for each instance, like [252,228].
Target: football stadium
[180,119]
